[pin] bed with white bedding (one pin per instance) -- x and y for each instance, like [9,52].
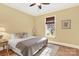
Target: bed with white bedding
[13,42]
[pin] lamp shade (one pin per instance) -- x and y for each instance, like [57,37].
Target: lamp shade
[2,29]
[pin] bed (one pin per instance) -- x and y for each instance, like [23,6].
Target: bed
[27,46]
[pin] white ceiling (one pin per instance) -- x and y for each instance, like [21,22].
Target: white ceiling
[35,11]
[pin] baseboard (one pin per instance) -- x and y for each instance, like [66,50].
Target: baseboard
[65,44]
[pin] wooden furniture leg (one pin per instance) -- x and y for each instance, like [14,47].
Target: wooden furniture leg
[7,49]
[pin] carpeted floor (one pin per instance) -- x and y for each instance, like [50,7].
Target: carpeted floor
[50,50]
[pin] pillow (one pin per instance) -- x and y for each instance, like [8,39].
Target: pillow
[21,35]
[25,35]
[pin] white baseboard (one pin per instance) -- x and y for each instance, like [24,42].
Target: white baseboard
[65,44]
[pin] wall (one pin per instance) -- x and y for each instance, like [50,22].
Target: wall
[70,36]
[15,21]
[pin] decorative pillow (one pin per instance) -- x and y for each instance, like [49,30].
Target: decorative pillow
[25,35]
[18,35]
[21,35]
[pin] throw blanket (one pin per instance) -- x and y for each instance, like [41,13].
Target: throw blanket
[31,46]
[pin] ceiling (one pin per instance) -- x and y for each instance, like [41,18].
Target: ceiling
[35,11]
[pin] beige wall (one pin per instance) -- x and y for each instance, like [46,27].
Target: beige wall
[15,21]
[70,36]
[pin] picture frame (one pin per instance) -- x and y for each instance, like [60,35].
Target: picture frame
[66,24]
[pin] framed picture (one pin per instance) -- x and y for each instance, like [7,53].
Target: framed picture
[66,24]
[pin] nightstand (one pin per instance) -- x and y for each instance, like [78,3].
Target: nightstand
[4,44]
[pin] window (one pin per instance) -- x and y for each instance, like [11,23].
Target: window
[50,30]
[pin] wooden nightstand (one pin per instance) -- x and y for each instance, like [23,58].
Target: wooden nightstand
[4,44]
